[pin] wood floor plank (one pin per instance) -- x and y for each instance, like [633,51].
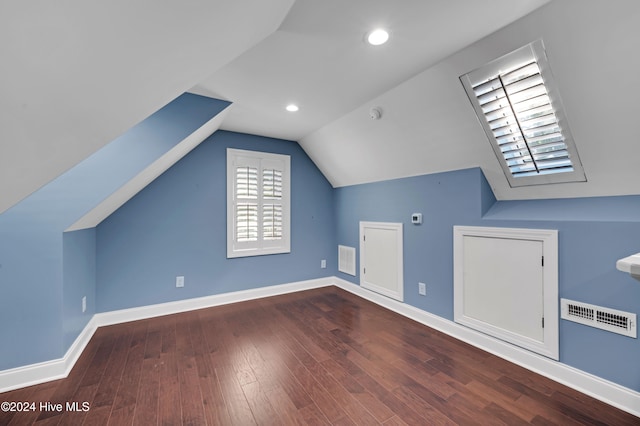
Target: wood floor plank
[310,346]
[389,339]
[169,407]
[349,404]
[190,396]
[491,395]
[287,411]
[433,416]
[295,360]
[215,410]
[318,394]
[577,402]
[149,389]
[36,395]
[322,356]
[506,416]
[425,376]
[235,399]
[124,404]
[261,408]
[359,391]
[66,388]
[312,416]
[395,421]
[108,386]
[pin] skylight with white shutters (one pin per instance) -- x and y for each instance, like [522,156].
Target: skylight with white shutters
[520,110]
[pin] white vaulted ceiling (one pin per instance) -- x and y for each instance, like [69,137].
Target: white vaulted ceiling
[318,58]
[77,74]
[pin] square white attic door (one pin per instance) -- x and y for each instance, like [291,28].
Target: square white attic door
[381,259]
[505,285]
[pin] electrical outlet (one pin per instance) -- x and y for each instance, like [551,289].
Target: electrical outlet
[180,281]
[323,263]
[422,289]
[84,304]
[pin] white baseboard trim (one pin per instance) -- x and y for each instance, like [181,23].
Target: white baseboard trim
[144,312]
[47,371]
[611,393]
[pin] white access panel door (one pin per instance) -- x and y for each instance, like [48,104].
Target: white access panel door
[381,264]
[503,284]
[506,285]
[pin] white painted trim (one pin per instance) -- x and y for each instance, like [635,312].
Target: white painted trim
[611,393]
[127,191]
[261,161]
[550,343]
[397,227]
[42,372]
[134,314]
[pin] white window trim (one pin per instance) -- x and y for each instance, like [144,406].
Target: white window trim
[261,247]
[536,51]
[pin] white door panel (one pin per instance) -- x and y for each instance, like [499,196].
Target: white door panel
[506,285]
[503,284]
[381,267]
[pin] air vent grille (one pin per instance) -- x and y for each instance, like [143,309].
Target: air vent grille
[612,320]
[603,318]
[580,312]
[347,260]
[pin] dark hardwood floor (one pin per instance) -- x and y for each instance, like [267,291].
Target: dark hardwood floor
[315,357]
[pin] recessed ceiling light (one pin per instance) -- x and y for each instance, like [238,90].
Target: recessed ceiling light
[292,108]
[378,37]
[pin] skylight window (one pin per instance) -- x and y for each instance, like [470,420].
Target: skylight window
[520,110]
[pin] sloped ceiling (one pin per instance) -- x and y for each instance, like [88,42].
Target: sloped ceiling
[318,59]
[429,124]
[78,74]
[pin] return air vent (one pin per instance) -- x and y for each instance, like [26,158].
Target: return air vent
[347,260]
[604,318]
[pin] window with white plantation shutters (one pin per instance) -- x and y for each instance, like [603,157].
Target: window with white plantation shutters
[272,207]
[520,111]
[258,203]
[246,211]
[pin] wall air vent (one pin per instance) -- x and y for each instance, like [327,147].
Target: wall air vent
[347,260]
[604,318]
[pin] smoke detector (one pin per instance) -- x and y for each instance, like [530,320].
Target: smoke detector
[375,113]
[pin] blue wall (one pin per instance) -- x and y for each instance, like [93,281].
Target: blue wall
[177,226]
[79,280]
[444,200]
[40,312]
[593,234]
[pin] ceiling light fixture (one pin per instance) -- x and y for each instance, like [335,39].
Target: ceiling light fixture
[377,37]
[292,108]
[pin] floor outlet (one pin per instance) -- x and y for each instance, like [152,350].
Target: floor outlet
[179,281]
[422,289]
